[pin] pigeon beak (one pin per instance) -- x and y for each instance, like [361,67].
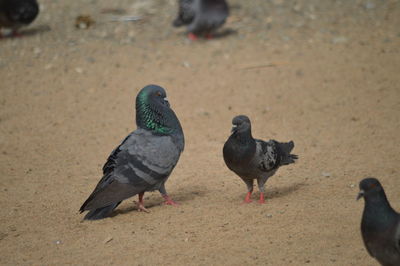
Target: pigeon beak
[234,127]
[360,194]
[166,101]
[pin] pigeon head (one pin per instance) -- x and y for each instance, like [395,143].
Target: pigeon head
[153,111]
[241,123]
[370,188]
[22,11]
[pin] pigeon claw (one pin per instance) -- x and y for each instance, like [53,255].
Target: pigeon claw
[192,37]
[169,201]
[141,208]
[16,34]
[247,198]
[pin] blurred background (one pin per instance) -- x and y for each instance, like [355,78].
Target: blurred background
[324,74]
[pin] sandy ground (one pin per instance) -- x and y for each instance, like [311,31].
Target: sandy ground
[322,73]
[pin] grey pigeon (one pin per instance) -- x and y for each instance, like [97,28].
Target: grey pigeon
[202,17]
[253,158]
[380,224]
[145,158]
[17,13]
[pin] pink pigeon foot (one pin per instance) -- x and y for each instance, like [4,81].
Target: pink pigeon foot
[262,200]
[247,198]
[16,34]
[192,37]
[140,204]
[169,201]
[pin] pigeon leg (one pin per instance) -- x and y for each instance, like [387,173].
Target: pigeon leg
[249,183]
[261,182]
[140,203]
[247,198]
[209,36]
[192,36]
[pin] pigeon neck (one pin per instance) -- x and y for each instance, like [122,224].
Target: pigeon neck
[243,136]
[156,118]
[378,211]
[240,148]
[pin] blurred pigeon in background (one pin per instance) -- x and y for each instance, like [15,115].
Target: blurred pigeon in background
[202,17]
[253,158]
[380,224]
[144,160]
[17,13]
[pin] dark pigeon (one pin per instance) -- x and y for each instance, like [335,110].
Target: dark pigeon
[144,160]
[253,158]
[17,13]
[202,17]
[380,224]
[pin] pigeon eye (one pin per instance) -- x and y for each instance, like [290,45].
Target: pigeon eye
[158,94]
[372,185]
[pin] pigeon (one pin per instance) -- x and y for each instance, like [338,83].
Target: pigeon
[144,160]
[17,13]
[380,224]
[202,17]
[253,158]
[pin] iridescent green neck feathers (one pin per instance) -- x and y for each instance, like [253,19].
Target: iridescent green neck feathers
[154,116]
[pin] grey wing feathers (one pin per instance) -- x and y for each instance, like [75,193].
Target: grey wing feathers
[268,153]
[100,197]
[274,154]
[140,163]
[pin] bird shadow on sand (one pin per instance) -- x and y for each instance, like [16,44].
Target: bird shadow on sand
[278,192]
[224,33]
[29,32]
[186,194]
[36,30]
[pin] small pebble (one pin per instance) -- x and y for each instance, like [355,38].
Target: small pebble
[326,174]
[108,239]
[339,39]
[131,34]
[90,59]
[79,70]
[278,2]
[370,5]
[312,16]
[37,51]
[297,7]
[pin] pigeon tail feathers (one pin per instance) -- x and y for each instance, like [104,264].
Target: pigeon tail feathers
[100,213]
[285,149]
